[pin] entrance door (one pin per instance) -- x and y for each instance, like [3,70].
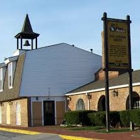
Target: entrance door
[49,115]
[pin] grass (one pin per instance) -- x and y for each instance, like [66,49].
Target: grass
[99,129]
[114,130]
[86,128]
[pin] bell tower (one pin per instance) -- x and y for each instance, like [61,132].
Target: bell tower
[28,35]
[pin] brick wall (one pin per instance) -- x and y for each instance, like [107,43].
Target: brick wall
[24,112]
[74,99]
[116,103]
[100,75]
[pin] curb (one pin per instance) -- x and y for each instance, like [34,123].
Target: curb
[76,138]
[19,131]
[28,132]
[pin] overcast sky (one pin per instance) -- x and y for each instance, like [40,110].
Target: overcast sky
[75,22]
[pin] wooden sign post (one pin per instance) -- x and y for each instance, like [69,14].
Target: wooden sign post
[117,54]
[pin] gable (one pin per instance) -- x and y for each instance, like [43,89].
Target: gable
[57,69]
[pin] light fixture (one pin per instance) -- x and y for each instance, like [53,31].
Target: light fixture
[88,95]
[115,93]
[68,98]
[10,103]
[1,103]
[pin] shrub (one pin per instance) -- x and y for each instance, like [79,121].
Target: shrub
[77,117]
[135,116]
[91,117]
[97,118]
[114,118]
[125,118]
[72,117]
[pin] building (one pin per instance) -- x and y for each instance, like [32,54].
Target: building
[92,96]
[34,81]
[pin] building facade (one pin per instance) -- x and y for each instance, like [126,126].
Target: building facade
[92,96]
[33,81]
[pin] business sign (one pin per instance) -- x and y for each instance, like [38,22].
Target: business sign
[118,44]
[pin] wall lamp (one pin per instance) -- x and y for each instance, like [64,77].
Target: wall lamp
[10,103]
[68,98]
[1,103]
[88,95]
[115,93]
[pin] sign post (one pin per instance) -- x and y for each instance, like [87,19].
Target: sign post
[106,72]
[130,72]
[117,54]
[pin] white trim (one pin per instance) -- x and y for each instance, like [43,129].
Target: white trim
[2,77]
[31,111]
[19,52]
[102,89]
[0,114]
[55,112]
[42,102]
[10,59]
[88,104]
[136,84]
[2,65]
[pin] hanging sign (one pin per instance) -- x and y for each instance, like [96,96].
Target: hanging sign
[118,47]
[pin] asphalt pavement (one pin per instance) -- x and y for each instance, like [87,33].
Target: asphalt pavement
[21,134]
[18,136]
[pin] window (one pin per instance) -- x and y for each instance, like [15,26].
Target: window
[2,75]
[10,75]
[0,114]
[136,102]
[18,114]
[80,105]
[8,114]
[1,83]
[11,69]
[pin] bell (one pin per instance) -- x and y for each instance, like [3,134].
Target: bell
[26,43]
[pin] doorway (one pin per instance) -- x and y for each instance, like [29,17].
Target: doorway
[49,113]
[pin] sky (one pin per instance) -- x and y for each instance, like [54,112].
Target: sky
[76,22]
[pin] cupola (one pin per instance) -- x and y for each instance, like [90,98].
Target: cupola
[27,35]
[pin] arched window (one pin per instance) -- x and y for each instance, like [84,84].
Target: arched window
[135,101]
[18,114]
[0,114]
[8,114]
[80,105]
[101,103]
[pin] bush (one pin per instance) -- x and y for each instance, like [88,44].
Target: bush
[135,116]
[97,118]
[114,118]
[125,118]
[91,117]
[77,117]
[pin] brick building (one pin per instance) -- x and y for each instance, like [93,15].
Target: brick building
[92,96]
[33,81]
